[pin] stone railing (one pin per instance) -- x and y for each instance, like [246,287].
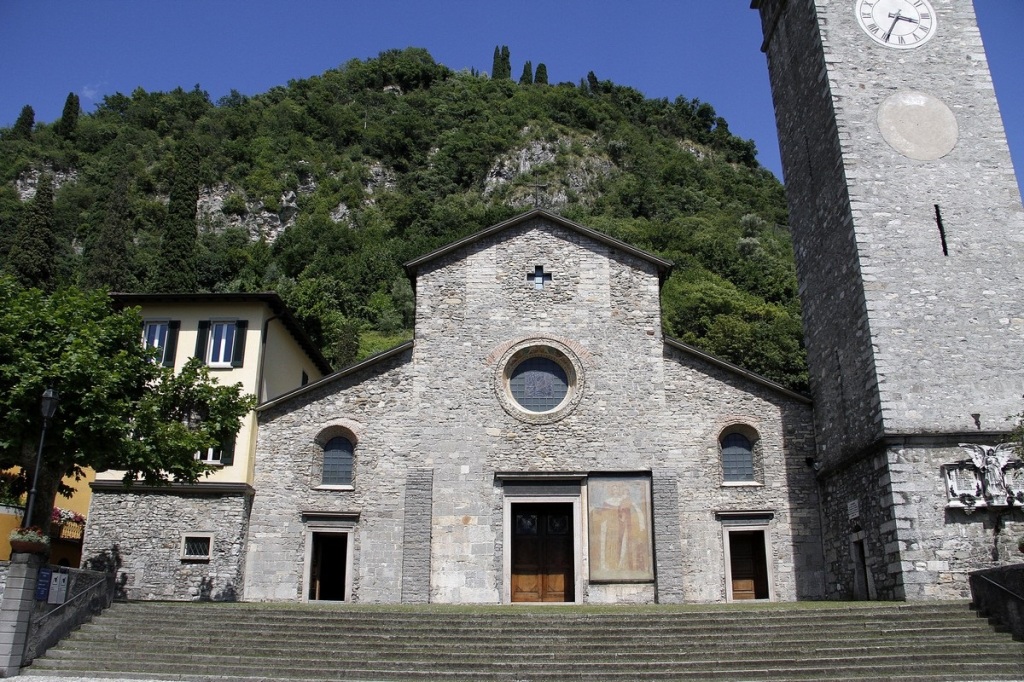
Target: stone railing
[998,593]
[89,593]
[29,624]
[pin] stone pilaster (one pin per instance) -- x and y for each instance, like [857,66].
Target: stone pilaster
[419,488]
[16,611]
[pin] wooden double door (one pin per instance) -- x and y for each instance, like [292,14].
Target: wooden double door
[542,553]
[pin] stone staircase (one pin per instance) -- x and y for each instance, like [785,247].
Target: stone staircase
[914,642]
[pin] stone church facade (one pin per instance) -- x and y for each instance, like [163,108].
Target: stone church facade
[452,474]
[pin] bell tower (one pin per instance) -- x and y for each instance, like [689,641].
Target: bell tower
[909,238]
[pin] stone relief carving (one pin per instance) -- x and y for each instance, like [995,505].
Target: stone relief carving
[991,477]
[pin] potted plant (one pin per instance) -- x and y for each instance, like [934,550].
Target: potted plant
[31,540]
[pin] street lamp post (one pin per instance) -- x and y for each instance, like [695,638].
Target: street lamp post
[49,408]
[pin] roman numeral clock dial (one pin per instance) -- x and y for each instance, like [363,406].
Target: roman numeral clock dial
[900,24]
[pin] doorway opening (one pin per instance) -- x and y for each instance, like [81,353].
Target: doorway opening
[748,565]
[863,586]
[860,571]
[543,552]
[328,567]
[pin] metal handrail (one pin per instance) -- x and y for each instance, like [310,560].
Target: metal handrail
[81,594]
[1004,588]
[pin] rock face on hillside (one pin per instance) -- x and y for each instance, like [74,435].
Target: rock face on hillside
[260,222]
[536,156]
[27,181]
[257,220]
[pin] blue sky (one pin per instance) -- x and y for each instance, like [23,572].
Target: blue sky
[705,49]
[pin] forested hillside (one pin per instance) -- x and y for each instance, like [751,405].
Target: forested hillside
[322,188]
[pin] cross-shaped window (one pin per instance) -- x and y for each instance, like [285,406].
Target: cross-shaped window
[538,277]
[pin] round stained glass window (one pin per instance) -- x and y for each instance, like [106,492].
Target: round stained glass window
[539,384]
[539,380]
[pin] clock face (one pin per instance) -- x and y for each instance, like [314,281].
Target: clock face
[901,24]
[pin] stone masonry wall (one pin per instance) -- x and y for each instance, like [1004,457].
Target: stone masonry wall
[473,307]
[829,270]
[940,546]
[139,535]
[857,505]
[907,338]
[703,401]
[914,546]
[442,408]
[947,333]
[938,325]
[371,406]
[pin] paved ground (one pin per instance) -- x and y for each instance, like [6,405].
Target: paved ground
[34,678]
[38,678]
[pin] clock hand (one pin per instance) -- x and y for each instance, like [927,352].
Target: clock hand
[896,19]
[899,17]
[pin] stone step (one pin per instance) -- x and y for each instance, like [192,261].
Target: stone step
[460,622]
[570,613]
[582,645]
[964,623]
[453,659]
[543,671]
[246,642]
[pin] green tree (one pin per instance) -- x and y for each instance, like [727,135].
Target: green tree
[118,408]
[108,262]
[176,269]
[496,63]
[501,65]
[68,122]
[527,77]
[593,83]
[541,77]
[317,304]
[22,129]
[33,256]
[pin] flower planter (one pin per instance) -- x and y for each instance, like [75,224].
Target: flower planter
[29,547]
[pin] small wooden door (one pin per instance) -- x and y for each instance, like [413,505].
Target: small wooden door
[327,570]
[748,565]
[542,553]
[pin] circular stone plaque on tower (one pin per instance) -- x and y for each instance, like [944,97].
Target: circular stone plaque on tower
[918,125]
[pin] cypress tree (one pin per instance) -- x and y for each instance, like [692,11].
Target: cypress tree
[541,77]
[527,77]
[69,118]
[23,126]
[176,270]
[33,256]
[107,255]
[506,62]
[593,83]
[496,64]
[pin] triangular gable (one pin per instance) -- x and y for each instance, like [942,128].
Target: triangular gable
[662,266]
[340,374]
[736,370]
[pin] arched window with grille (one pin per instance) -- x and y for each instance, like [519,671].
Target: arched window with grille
[737,458]
[339,454]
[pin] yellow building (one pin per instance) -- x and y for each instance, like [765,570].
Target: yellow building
[66,538]
[252,339]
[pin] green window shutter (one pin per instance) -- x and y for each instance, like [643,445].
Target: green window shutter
[202,338]
[171,344]
[227,453]
[238,352]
